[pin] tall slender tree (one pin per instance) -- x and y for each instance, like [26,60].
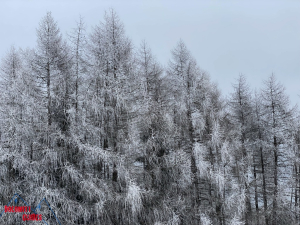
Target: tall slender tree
[241,109]
[277,118]
[182,73]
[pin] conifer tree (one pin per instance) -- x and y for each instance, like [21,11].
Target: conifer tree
[278,118]
[241,109]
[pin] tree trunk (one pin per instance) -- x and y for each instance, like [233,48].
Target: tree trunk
[274,213]
[256,196]
[264,186]
[48,94]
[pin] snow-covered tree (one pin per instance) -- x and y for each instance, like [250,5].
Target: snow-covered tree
[278,119]
[242,116]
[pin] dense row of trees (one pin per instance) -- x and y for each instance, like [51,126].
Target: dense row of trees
[110,136]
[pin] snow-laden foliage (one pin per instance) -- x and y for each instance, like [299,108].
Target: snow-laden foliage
[205,220]
[202,164]
[236,221]
[134,197]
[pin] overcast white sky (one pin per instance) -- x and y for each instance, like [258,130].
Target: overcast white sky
[227,38]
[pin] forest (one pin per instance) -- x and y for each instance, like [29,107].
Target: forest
[108,135]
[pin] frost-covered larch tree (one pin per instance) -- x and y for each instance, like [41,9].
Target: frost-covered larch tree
[241,117]
[278,118]
[12,108]
[20,120]
[182,74]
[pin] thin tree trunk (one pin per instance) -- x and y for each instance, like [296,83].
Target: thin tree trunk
[256,196]
[264,186]
[48,94]
[275,183]
[194,170]
[296,192]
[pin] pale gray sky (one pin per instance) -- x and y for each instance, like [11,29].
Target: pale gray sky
[255,38]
